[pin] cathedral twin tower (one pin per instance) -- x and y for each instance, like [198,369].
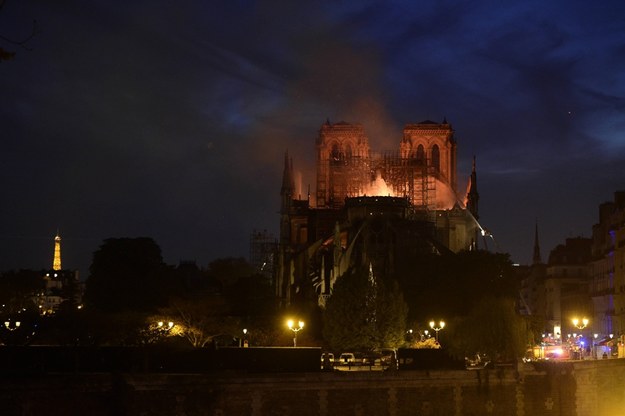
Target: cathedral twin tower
[426,161]
[417,183]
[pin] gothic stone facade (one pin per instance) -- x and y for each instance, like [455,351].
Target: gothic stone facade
[411,188]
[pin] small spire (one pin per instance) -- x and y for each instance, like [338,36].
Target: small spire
[473,196]
[537,259]
[288,184]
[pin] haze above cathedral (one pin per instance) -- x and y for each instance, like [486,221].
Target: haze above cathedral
[171,121]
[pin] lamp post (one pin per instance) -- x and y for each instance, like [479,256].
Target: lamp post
[162,329]
[156,331]
[7,325]
[295,329]
[245,342]
[580,325]
[161,326]
[15,335]
[436,328]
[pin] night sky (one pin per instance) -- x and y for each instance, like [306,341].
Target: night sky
[170,119]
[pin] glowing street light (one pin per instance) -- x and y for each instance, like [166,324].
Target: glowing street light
[7,325]
[161,326]
[580,324]
[244,339]
[295,329]
[159,330]
[441,325]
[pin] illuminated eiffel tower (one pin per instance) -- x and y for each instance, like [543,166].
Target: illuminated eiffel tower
[56,263]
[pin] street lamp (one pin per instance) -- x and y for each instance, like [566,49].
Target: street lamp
[161,326]
[7,325]
[295,329]
[580,325]
[436,328]
[245,342]
[157,331]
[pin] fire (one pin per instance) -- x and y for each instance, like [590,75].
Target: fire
[378,187]
[445,198]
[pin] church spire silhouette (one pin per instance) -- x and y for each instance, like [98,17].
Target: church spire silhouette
[537,259]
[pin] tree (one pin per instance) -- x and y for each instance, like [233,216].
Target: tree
[18,288]
[128,274]
[229,270]
[451,284]
[391,315]
[128,281]
[251,297]
[428,343]
[347,320]
[200,320]
[493,328]
[362,314]
[17,291]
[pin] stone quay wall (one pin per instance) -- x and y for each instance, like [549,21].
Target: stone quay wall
[580,388]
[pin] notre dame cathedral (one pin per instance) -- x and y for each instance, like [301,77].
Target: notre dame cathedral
[371,208]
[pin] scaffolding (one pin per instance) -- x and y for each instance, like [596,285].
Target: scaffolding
[405,177]
[342,178]
[263,249]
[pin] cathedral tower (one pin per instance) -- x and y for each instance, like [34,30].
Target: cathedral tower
[433,146]
[343,168]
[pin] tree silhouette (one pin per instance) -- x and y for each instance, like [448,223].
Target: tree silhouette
[201,319]
[364,313]
[391,315]
[128,274]
[17,290]
[347,320]
[493,328]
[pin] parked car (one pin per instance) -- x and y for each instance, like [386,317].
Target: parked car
[388,356]
[347,358]
[372,358]
[477,362]
[327,359]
